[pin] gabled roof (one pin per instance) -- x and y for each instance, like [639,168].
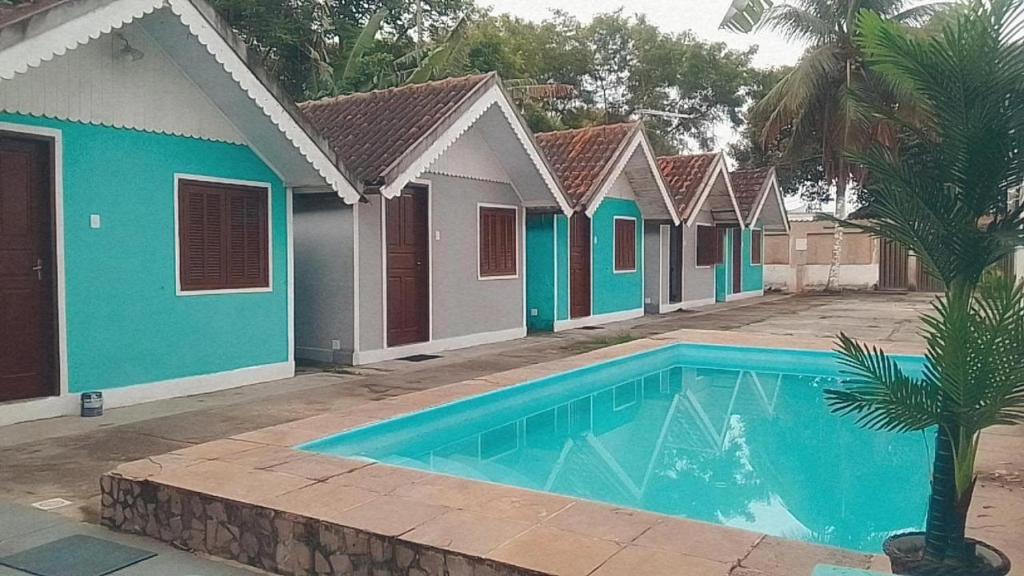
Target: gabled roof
[691,178]
[213,56]
[582,158]
[372,130]
[686,177]
[589,160]
[752,188]
[385,138]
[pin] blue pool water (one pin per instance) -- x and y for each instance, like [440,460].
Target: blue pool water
[734,436]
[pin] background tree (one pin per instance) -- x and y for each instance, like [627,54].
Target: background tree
[810,107]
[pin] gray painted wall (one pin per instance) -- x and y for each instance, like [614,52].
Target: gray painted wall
[656,266]
[323,277]
[698,283]
[371,274]
[463,304]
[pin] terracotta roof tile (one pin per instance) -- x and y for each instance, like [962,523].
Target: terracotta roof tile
[684,174]
[747,186]
[370,131]
[581,157]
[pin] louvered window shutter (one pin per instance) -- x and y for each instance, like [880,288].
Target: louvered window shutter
[223,236]
[625,245]
[498,242]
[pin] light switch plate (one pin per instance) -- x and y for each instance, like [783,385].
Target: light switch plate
[94,221]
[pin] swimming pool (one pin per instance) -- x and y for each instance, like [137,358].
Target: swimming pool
[734,436]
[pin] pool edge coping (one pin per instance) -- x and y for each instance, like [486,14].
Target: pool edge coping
[257,464]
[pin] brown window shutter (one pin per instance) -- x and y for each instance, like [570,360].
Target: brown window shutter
[498,242]
[709,246]
[756,238]
[223,236]
[625,245]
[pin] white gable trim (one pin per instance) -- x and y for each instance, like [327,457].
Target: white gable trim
[493,96]
[239,70]
[709,184]
[32,51]
[638,141]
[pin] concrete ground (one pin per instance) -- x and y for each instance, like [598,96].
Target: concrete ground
[22,527]
[64,457]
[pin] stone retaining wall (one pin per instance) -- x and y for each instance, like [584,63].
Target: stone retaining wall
[272,540]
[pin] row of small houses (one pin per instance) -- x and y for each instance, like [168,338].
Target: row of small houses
[170,223]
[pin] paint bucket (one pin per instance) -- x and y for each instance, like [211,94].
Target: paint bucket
[92,404]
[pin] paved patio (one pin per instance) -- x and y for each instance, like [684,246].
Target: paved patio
[65,457]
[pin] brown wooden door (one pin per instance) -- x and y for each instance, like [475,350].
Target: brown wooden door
[408,259]
[675,264]
[737,260]
[579,265]
[27,356]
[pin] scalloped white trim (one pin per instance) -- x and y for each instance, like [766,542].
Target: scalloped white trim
[35,50]
[218,47]
[493,96]
[639,141]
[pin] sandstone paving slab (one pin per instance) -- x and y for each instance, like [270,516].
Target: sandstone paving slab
[710,542]
[316,467]
[389,515]
[554,551]
[640,561]
[779,557]
[379,478]
[262,457]
[466,532]
[598,521]
[321,500]
[232,481]
[216,449]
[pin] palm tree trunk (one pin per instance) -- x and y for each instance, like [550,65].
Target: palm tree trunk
[837,235]
[946,524]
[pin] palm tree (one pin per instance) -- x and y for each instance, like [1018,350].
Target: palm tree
[811,106]
[944,196]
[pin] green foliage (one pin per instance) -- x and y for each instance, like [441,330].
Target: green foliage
[943,193]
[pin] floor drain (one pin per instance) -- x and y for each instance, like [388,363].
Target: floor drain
[51,504]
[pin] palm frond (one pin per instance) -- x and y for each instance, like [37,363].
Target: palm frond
[878,392]
[362,43]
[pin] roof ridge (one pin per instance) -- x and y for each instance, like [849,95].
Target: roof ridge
[339,97]
[631,124]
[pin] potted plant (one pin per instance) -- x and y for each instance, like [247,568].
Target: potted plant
[943,192]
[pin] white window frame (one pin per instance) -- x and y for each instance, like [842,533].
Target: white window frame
[760,261]
[178,177]
[636,249]
[519,239]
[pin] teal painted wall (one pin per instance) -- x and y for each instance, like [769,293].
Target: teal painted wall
[125,323]
[753,274]
[540,271]
[623,291]
[547,282]
[562,258]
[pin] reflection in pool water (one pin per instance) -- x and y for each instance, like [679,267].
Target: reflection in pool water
[734,436]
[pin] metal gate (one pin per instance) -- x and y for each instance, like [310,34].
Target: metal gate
[893,261]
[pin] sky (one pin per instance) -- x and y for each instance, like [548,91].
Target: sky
[700,16]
